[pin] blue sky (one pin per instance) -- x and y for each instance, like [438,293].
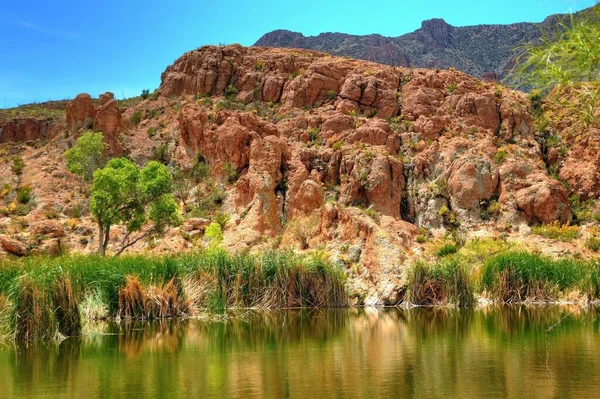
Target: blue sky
[56,49]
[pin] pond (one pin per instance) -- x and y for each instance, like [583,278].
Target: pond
[350,353]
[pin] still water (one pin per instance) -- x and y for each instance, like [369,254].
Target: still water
[356,353]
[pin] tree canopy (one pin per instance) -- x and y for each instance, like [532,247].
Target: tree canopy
[124,194]
[86,155]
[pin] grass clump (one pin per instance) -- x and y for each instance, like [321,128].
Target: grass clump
[443,283]
[520,276]
[447,249]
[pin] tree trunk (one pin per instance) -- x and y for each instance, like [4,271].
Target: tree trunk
[100,238]
[106,239]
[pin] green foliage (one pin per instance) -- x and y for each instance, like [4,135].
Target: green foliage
[200,170]
[313,135]
[230,92]
[520,276]
[161,154]
[337,146]
[24,194]
[231,173]
[53,295]
[446,282]
[17,165]
[421,238]
[447,249]
[136,118]
[86,156]
[572,55]
[556,231]
[593,244]
[214,233]
[122,193]
[500,156]
[145,93]
[451,88]
[222,219]
[582,210]
[331,95]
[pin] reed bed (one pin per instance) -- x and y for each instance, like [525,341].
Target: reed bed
[440,284]
[515,277]
[49,298]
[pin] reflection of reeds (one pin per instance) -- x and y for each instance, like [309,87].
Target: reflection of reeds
[53,295]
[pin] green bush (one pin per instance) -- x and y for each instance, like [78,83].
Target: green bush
[556,231]
[593,244]
[24,194]
[447,249]
[136,118]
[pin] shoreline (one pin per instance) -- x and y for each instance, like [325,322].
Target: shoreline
[43,297]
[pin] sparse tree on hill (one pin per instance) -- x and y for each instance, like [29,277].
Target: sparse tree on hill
[124,194]
[87,155]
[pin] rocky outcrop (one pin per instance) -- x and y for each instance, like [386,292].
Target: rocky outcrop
[105,117]
[581,168]
[80,112]
[13,246]
[23,129]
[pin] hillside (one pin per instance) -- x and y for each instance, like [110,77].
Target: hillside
[483,50]
[371,164]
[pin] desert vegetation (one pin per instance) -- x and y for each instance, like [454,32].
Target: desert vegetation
[45,297]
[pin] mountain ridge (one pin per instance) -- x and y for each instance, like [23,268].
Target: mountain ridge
[487,50]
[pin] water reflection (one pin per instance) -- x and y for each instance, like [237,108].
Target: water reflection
[490,352]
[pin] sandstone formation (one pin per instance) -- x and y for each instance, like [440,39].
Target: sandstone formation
[312,151]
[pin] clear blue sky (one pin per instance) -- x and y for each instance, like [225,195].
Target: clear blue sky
[56,49]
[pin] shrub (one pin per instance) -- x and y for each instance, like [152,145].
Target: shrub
[230,92]
[87,155]
[214,233]
[24,194]
[593,244]
[145,93]
[331,94]
[500,156]
[421,239]
[230,172]
[161,154]
[557,232]
[337,146]
[313,135]
[200,170]
[447,249]
[222,219]
[17,165]
[136,118]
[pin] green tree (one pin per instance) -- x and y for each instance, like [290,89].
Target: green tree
[86,156]
[124,194]
[569,55]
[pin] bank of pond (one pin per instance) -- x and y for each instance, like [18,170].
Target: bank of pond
[49,298]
